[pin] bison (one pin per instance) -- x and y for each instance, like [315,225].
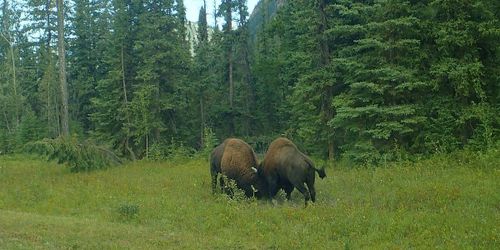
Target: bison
[285,167]
[236,160]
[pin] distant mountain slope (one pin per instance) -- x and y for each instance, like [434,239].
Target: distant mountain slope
[192,35]
[262,13]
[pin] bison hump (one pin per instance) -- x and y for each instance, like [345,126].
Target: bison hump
[238,160]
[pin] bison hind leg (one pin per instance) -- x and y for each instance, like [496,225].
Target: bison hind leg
[214,182]
[310,185]
[300,186]
[312,191]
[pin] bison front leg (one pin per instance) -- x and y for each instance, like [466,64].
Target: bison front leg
[272,184]
[222,184]
[214,181]
[288,187]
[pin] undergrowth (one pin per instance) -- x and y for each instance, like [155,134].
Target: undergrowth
[78,155]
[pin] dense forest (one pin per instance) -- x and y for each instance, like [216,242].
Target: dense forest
[364,81]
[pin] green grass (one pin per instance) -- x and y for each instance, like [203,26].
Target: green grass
[446,202]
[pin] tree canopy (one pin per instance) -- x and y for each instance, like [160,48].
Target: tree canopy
[365,81]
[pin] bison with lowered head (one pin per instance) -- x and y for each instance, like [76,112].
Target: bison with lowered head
[236,160]
[285,167]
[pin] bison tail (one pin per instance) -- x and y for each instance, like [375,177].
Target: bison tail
[321,172]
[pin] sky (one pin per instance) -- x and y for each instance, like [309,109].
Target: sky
[193,8]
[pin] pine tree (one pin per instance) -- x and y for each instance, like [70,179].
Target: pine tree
[202,70]
[308,83]
[164,62]
[43,96]
[90,27]
[226,10]
[380,106]
[270,91]
[242,56]
[463,69]
[11,88]
[111,116]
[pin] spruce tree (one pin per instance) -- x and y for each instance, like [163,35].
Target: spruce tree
[226,10]
[90,26]
[464,66]
[164,62]
[111,116]
[202,70]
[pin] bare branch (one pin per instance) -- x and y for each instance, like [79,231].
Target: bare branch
[7,40]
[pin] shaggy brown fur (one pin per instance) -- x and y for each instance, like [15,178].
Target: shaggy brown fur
[285,167]
[235,159]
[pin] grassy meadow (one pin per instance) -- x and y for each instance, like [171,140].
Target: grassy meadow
[450,202]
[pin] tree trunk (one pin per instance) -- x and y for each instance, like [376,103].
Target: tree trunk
[14,84]
[56,117]
[6,121]
[147,147]
[231,92]
[328,91]
[202,125]
[49,33]
[62,69]
[215,14]
[125,100]
[231,82]
[8,38]
[14,80]
[229,31]
[48,106]
[250,95]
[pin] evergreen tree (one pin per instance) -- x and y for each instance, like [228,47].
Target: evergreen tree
[90,26]
[10,84]
[11,98]
[365,80]
[43,94]
[111,116]
[464,66]
[270,91]
[202,70]
[380,107]
[226,10]
[164,63]
[242,54]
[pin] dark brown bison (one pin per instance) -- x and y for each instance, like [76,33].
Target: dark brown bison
[236,160]
[285,167]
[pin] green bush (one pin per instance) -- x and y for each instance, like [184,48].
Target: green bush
[79,156]
[231,189]
[128,211]
[173,150]
[209,141]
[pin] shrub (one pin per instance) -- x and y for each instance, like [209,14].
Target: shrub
[209,141]
[79,156]
[173,150]
[231,189]
[128,210]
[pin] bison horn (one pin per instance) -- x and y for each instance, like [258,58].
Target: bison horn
[254,169]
